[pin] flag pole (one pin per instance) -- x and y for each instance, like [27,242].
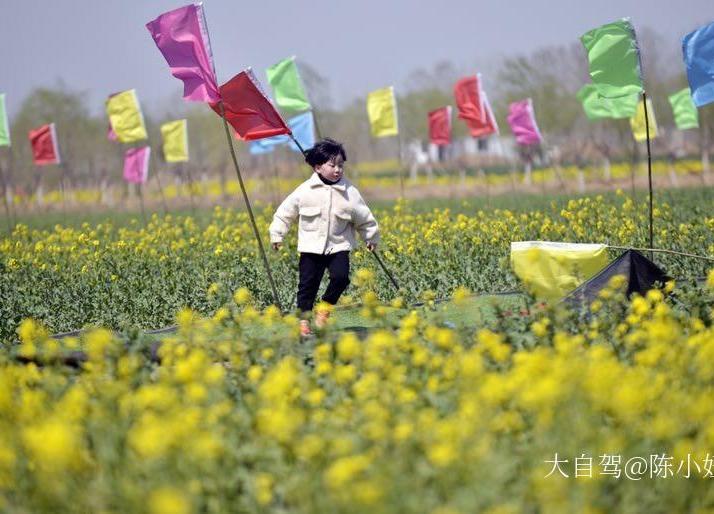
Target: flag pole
[384,268]
[4,200]
[190,189]
[141,203]
[64,200]
[297,143]
[247,204]
[317,125]
[158,181]
[649,171]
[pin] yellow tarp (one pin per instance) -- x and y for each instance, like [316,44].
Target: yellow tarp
[175,137]
[637,122]
[382,112]
[551,270]
[125,117]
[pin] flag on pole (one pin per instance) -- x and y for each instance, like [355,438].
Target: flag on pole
[473,106]
[175,138]
[440,126]
[469,100]
[382,112]
[596,107]
[521,118]
[136,164]
[637,122]
[698,50]
[125,117]
[45,149]
[287,86]
[182,37]
[4,125]
[685,112]
[248,109]
[614,59]
[303,129]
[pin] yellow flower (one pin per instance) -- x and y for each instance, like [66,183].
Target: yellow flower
[264,488]
[461,295]
[345,373]
[348,347]
[254,373]
[441,453]
[54,445]
[242,296]
[169,500]
[344,470]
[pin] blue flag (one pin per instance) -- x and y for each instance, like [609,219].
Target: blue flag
[698,50]
[262,146]
[303,129]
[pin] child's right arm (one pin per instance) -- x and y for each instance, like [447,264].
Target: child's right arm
[282,219]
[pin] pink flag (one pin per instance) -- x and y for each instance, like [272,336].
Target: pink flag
[523,124]
[182,38]
[136,164]
[248,109]
[440,126]
[45,149]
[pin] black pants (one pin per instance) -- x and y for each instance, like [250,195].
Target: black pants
[312,268]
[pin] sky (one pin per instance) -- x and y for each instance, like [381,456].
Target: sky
[102,46]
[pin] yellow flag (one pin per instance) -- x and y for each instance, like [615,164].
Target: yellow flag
[175,138]
[125,117]
[552,270]
[382,112]
[637,122]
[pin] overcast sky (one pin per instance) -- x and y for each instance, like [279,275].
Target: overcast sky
[102,46]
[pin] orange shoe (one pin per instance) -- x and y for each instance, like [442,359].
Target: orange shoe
[321,318]
[305,328]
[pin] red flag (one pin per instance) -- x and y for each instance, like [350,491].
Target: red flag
[44,145]
[440,126]
[469,101]
[473,106]
[490,126]
[248,109]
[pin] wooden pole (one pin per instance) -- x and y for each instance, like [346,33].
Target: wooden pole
[229,139]
[4,200]
[649,173]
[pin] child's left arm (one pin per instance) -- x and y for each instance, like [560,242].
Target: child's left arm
[365,223]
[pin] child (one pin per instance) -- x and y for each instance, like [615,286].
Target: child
[329,209]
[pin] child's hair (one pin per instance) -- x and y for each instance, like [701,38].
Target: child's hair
[324,151]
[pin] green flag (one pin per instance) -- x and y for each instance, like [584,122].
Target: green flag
[685,112]
[614,59]
[597,107]
[289,93]
[4,125]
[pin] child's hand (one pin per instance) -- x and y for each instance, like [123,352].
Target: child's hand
[277,246]
[371,246]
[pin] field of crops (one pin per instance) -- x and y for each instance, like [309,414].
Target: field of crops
[529,408]
[132,275]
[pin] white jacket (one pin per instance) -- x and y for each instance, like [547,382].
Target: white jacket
[329,216]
